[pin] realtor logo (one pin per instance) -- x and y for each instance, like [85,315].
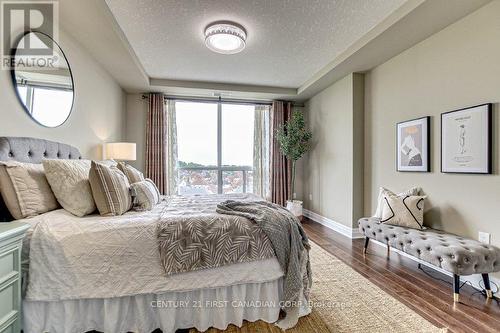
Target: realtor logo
[19,17]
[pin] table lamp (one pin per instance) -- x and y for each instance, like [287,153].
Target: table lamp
[124,151]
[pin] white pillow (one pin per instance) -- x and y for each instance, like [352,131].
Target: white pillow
[404,211]
[25,189]
[69,180]
[146,195]
[384,192]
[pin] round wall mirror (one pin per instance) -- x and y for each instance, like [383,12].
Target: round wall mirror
[42,79]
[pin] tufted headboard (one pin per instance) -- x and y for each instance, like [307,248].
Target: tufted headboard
[31,150]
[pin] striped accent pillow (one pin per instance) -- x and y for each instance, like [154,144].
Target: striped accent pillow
[146,195]
[110,188]
[133,175]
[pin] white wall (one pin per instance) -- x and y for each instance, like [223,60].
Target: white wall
[98,111]
[455,68]
[332,170]
[135,129]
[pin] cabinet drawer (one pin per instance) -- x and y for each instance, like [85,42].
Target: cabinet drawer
[9,264]
[9,329]
[9,302]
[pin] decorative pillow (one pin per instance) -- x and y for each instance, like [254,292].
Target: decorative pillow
[110,188]
[25,189]
[384,192]
[405,211]
[69,180]
[133,175]
[146,195]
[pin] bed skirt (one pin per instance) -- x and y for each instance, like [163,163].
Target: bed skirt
[201,309]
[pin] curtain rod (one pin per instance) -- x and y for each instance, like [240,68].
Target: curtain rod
[217,99]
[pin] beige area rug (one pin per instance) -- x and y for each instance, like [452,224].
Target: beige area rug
[346,302]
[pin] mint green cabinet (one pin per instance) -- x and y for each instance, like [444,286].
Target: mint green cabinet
[11,237]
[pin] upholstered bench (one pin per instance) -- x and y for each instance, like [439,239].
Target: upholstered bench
[455,254]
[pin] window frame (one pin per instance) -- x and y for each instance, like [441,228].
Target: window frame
[220,168]
[30,92]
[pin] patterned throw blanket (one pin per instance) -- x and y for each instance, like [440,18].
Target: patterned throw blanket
[195,242]
[291,247]
[241,231]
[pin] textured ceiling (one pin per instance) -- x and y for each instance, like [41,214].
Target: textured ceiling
[288,40]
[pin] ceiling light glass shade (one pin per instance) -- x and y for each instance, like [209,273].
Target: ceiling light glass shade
[225,38]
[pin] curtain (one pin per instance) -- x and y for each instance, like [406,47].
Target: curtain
[171,143]
[280,166]
[156,153]
[161,144]
[261,184]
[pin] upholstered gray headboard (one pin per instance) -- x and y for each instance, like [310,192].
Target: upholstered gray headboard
[31,150]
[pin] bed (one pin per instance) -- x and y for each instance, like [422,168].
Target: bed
[104,273]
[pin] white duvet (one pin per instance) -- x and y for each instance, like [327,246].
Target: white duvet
[102,257]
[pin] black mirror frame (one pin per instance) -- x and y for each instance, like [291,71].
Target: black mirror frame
[14,81]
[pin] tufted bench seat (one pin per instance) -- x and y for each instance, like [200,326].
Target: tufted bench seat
[455,254]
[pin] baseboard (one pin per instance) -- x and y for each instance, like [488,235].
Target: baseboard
[342,229]
[335,226]
[474,279]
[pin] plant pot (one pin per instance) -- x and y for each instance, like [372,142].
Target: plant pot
[295,207]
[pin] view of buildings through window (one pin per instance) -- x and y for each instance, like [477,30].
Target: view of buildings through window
[215,143]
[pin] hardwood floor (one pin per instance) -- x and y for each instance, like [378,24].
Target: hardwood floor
[400,277]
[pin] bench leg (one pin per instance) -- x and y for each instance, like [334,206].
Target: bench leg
[487,286]
[367,240]
[456,288]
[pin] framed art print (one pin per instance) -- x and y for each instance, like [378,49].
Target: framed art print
[413,145]
[466,140]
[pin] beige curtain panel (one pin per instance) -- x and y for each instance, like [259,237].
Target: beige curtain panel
[161,144]
[280,167]
[156,150]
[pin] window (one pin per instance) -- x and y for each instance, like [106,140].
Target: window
[196,134]
[23,93]
[60,102]
[215,147]
[197,148]
[237,134]
[38,98]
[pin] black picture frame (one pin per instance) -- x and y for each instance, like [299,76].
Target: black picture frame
[488,168]
[426,146]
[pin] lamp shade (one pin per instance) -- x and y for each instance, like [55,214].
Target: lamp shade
[124,151]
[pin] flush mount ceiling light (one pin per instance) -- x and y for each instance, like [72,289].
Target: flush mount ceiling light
[225,37]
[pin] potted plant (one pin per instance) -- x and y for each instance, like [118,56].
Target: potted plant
[294,139]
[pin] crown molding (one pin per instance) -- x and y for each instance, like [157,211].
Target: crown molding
[228,88]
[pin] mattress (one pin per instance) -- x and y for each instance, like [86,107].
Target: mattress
[98,257]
